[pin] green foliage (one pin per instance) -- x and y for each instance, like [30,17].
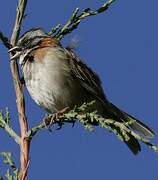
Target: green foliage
[81,114]
[6,125]
[12,172]
[59,32]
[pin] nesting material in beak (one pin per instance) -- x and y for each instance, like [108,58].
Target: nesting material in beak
[16,49]
[16,56]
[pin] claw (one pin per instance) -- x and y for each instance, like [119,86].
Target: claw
[50,130]
[54,118]
[73,124]
[60,124]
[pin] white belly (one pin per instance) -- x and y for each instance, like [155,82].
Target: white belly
[48,84]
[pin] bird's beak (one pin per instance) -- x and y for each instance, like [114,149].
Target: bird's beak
[15,48]
[16,55]
[18,51]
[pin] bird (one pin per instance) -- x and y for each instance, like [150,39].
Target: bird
[56,78]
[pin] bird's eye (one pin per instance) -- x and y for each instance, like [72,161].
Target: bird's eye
[25,42]
[30,42]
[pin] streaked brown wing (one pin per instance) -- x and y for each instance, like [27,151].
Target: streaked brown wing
[88,78]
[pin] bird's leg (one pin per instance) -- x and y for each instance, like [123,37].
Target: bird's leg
[58,115]
[54,118]
[46,122]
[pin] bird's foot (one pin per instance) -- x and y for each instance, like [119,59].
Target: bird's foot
[55,118]
[58,115]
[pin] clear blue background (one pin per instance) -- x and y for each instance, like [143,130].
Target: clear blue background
[121,45]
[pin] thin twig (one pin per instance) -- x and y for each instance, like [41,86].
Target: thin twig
[48,122]
[10,131]
[9,161]
[5,40]
[121,130]
[75,19]
[19,17]
[25,144]
[5,124]
[113,125]
[25,173]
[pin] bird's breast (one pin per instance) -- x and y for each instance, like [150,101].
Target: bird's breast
[49,81]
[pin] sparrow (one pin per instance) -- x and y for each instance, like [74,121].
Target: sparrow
[57,78]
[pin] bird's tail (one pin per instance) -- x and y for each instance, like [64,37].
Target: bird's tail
[136,125]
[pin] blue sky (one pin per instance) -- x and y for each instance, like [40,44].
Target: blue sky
[121,45]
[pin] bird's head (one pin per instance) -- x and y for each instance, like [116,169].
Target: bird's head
[26,43]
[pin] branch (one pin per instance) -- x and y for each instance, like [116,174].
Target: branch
[5,124]
[19,17]
[25,144]
[12,172]
[75,20]
[15,34]
[51,119]
[5,40]
[121,130]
